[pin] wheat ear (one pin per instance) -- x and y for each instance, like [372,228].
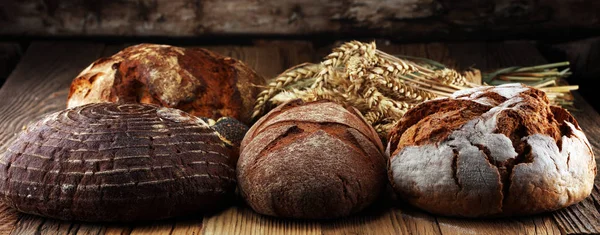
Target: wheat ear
[292,75]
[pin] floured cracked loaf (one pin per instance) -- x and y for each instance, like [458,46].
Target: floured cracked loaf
[311,160]
[194,80]
[490,151]
[111,162]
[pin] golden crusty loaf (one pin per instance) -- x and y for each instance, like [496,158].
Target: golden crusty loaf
[194,80]
[490,151]
[118,162]
[311,160]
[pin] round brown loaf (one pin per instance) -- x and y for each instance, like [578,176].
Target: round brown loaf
[117,162]
[490,151]
[194,80]
[311,160]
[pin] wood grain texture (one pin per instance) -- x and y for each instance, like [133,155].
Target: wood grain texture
[44,72]
[537,225]
[406,19]
[8,218]
[191,226]
[242,220]
[406,220]
[163,227]
[269,59]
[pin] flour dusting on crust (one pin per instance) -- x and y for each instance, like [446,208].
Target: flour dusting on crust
[509,156]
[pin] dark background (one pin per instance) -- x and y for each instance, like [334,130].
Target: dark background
[562,29]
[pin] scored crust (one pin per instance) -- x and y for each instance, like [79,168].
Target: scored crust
[194,80]
[311,160]
[117,162]
[490,151]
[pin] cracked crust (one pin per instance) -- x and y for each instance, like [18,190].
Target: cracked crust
[490,151]
[311,160]
[194,80]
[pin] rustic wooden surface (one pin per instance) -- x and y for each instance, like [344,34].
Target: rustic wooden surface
[406,19]
[39,85]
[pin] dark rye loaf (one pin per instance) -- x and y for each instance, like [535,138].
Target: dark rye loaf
[490,151]
[195,80]
[117,162]
[311,160]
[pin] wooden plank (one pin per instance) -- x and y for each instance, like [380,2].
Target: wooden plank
[158,228]
[60,227]
[382,218]
[8,219]
[118,230]
[242,220]
[269,58]
[537,225]
[32,90]
[27,226]
[407,219]
[408,19]
[191,226]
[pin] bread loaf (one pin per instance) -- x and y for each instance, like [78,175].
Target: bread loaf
[194,80]
[311,160]
[490,151]
[117,162]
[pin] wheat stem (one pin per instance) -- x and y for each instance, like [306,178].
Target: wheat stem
[384,87]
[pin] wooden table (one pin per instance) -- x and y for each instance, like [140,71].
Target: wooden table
[40,83]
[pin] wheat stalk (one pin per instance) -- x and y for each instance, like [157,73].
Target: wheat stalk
[384,87]
[292,75]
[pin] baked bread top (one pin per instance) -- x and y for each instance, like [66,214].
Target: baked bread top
[311,160]
[194,80]
[490,151]
[117,162]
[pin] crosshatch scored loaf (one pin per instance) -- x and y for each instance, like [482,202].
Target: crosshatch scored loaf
[490,151]
[311,160]
[117,162]
[194,80]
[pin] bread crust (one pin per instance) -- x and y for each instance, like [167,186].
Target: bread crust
[195,80]
[311,160]
[117,162]
[490,151]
